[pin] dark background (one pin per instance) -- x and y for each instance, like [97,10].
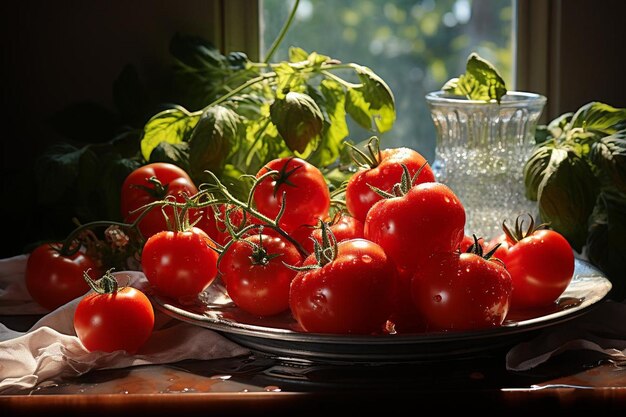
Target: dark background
[62,52]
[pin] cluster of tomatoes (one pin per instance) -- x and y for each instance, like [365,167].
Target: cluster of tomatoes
[395,260]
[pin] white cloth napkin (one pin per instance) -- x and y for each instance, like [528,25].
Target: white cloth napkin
[50,350]
[603,330]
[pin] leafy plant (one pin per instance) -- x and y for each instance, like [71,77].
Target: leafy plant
[577,175]
[481,81]
[233,115]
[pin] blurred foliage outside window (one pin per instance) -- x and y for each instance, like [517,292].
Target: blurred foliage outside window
[414,45]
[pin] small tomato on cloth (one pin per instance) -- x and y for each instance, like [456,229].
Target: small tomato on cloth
[53,279]
[113,318]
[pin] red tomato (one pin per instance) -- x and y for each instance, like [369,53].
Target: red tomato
[344,227]
[541,266]
[138,191]
[179,264]
[256,279]
[429,218]
[306,192]
[122,320]
[503,250]
[461,291]
[52,279]
[351,294]
[383,175]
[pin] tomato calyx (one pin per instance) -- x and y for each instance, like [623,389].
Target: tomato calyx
[158,191]
[402,188]
[325,252]
[282,177]
[367,160]
[107,284]
[477,249]
[259,255]
[518,233]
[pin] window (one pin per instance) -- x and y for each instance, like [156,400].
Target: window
[414,45]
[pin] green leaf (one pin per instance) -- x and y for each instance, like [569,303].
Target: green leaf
[288,79]
[297,54]
[599,119]
[541,164]
[379,98]
[566,197]
[177,154]
[358,108]
[335,129]
[609,155]
[195,52]
[481,81]
[606,245]
[212,141]
[298,119]
[171,126]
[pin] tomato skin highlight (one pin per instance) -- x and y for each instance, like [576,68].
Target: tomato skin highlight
[118,321]
[135,195]
[52,279]
[541,266]
[307,195]
[179,264]
[351,294]
[360,197]
[461,291]
[428,219]
[259,289]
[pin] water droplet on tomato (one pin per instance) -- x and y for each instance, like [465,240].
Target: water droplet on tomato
[366,259]
[272,388]
[437,298]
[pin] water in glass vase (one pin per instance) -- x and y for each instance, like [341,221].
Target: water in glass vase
[480,154]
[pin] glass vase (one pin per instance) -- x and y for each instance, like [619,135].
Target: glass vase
[480,153]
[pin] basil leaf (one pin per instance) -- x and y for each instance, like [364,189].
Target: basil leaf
[380,104]
[298,119]
[335,128]
[358,108]
[214,138]
[171,126]
[541,164]
[606,245]
[177,154]
[195,52]
[567,195]
[609,155]
[481,81]
[297,54]
[599,119]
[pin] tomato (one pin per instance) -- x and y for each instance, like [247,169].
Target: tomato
[461,291]
[138,190]
[52,279]
[541,266]
[179,264]
[503,250]
[383,173]
[429,218]
[350,294]
[344,227]
[256,279]
[306,193]
[120,320]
